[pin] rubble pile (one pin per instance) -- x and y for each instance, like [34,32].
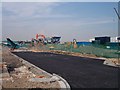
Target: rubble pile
[17,75]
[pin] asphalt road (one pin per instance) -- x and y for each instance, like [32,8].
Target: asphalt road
[78,71]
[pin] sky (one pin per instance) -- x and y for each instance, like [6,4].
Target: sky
[70,20]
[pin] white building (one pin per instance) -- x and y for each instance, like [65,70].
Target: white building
[113,39]
[93,39]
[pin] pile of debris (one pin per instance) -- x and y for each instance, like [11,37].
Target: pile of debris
[15,74]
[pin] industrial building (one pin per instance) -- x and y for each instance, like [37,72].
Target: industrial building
[101,40]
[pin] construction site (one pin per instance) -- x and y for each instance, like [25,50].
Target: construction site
[62,57]
[45,63]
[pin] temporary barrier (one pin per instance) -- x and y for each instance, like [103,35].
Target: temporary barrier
[98,50]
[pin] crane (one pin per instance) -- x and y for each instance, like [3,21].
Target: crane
[119,19]
[117,13]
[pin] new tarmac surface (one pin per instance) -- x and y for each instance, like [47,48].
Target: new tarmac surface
[79,72]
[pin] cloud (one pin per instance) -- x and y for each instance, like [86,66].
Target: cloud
[28,9]
[54,16]
[57,20]
[67,29]
[32,18]
[97,21]
[25,11]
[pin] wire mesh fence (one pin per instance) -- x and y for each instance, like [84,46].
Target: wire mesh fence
[98,50]
[111,50]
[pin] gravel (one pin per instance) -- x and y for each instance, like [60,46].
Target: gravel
[18,78]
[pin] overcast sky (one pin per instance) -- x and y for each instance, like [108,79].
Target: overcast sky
[82,21]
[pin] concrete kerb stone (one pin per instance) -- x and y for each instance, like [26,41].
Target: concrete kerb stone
[33,67]
[62,82]
[111,63]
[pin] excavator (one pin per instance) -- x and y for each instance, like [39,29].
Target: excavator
[45,40]
[12,45]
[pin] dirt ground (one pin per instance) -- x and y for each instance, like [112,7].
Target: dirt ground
[17,75]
